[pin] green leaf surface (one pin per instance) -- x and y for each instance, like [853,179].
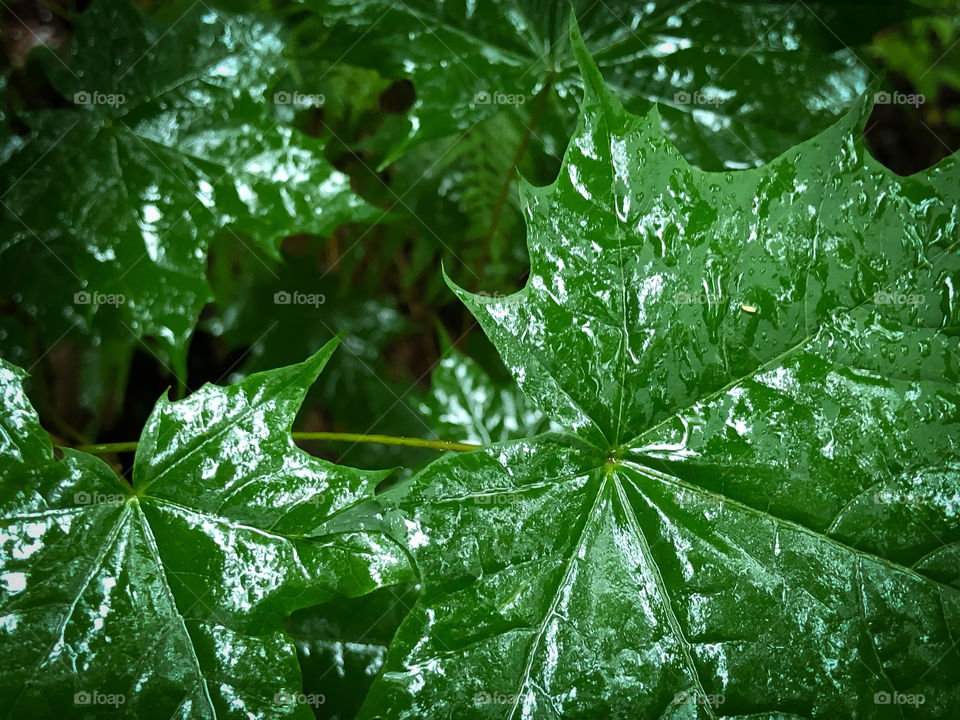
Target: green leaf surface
[739,82]
[755,508]
[167,599]
[109,205]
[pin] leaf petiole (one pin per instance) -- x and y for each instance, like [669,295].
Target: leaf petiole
[442,445]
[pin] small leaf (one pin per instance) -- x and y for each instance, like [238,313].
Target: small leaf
[110,205]
[167,599]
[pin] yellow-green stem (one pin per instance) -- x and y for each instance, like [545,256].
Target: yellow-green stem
[104,448]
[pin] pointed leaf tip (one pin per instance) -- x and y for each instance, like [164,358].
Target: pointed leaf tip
[592,79]
[593,83]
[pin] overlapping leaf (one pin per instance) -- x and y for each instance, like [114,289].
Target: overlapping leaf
[755,511]
[341,646]
[739,81]
[465,404]
[109,206]
[168,599]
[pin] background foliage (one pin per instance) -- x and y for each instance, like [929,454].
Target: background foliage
[767,74]
[347,150]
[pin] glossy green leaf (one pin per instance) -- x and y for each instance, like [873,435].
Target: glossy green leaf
[739,82]
[109,206]
[755,508]
[168,598]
